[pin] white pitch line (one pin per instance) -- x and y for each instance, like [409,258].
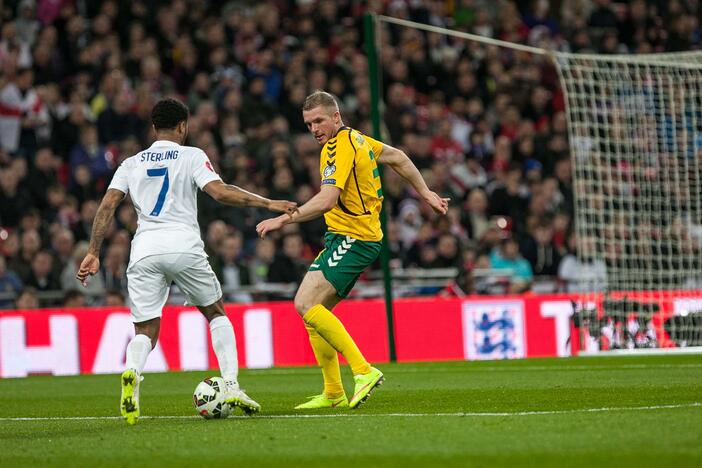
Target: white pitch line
[388,415]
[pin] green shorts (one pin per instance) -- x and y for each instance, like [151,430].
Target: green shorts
[343,260]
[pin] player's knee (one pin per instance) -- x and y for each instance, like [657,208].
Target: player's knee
[212,314]
[301,305]
[151,330]
[212,311]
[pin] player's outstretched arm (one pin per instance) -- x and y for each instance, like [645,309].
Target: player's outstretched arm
[315,207]
[106,211]
[236,196]
[403,165]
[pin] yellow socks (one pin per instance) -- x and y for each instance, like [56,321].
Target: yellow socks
[332,330]
[328,360]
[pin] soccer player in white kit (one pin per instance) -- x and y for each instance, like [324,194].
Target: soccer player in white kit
[163,181]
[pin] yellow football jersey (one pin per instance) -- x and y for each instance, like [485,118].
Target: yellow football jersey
[348,161]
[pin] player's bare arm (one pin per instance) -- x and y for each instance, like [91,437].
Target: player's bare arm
[403,165]
[236,196]
[315,207]
[106,211]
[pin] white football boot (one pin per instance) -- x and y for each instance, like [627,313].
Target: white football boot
[236,396]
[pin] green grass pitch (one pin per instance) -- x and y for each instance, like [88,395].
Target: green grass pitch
[618,411]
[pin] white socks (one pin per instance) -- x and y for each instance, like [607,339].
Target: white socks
[224,345]
[137,351]
[223,342]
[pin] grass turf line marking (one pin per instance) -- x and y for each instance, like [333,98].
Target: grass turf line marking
[392,415]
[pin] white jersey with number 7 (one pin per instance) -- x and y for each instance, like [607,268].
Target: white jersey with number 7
[163,181]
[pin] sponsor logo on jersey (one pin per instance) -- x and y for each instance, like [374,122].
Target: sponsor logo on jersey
[329,182]
[209,166]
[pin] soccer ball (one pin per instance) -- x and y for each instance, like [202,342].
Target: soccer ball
[209,399]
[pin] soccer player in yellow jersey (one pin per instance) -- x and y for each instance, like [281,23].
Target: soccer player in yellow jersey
[350,200]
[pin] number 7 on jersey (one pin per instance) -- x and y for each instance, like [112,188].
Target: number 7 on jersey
[160,172]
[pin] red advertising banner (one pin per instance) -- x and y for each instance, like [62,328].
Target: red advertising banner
[94,340]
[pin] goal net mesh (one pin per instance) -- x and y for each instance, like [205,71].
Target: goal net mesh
[635,128]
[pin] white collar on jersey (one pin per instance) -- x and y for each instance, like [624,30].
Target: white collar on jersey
[163,143]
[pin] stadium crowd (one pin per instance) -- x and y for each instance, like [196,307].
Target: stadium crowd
[486,126]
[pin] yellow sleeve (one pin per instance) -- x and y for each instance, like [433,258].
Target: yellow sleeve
[376,146]
[337,160]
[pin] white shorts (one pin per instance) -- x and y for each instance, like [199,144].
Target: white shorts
[149,281]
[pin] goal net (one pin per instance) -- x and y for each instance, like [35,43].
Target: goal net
[635,136]
[635,128]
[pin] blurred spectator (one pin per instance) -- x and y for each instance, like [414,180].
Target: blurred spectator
[67,129]
[216,232]
[22,112]
[448,253]
[9,245]
[475,214]
[9,284]
[15,199]
[584,274]
[428,256]
[260,264]
[511,199]
[98,159]
[30,245]
[42,175]
[84,186]
[485,280]
[82,228]
[283,185]
[561,224]
[603,16]
[507,257]
[467,176]
[27,299]
[114,267]
[114,298]
[117,123]
[56,198]
[444,148]
[73,298]
[539,251]
[62,244]
[397,252]
[287,267]
[42,276]
[423,243]
[157,84]
[562,172]
[410,221]
[27,25]
[230,269]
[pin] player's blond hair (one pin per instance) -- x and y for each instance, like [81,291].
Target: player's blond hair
[321,98]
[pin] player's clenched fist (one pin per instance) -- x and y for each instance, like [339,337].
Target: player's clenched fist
[283,206]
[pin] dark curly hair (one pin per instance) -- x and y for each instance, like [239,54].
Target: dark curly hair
[168,113]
